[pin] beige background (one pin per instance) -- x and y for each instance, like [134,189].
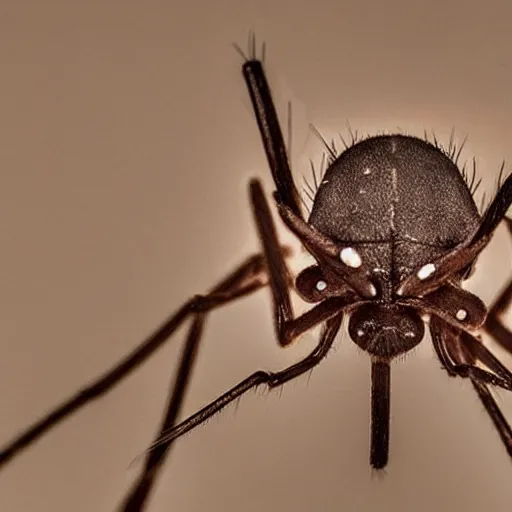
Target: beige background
[127,142]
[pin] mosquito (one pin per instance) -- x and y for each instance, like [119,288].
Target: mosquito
[394,232]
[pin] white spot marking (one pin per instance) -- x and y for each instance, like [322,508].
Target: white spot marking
[351,257]
[324,182]
[409,334]
[373,290]
[362,191]
[321,286]
[360,332]
[461,314]
[367,171]
[426,271]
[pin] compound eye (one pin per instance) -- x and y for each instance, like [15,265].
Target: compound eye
[312,285]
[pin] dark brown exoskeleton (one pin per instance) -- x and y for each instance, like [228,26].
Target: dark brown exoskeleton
[394,231]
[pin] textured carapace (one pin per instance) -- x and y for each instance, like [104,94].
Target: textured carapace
[393,204]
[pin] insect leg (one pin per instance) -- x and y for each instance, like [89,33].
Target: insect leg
[450,352]
[238,282]
[139,493]
[271,379]
[460,351]
[479,352]
[496,211]
[500,422]
[458,358]
[271,134]
[250,276]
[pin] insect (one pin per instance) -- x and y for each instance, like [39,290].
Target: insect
[394,231]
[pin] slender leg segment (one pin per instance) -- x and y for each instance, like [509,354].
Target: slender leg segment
[493,410]
[380,398]
[278,275]
[154,461]
[287,327]
[458,352]
[496,211]
[271,379]
[249,277]
[271,134]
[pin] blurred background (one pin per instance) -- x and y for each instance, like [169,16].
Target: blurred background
[127,142]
